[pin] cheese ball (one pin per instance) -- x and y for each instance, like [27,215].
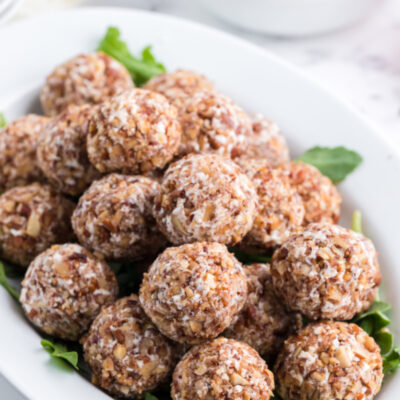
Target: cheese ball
[128,356]
[18,143]
[86,78]
[320,197]
[134,133]
[113,218]
[326,271]
[179,85]
[62,154]
[265,141]
[329,360]
[193,292]
[32,218]
[280,208]
[213,123]
[263,322]
[205,197]
[64,289]
[222,369]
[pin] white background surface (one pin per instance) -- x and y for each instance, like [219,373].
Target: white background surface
[361,64]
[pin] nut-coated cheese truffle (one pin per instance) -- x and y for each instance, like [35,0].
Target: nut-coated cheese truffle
[85,79]
[126,353]
[329,360]
[265,141]
[32,218]
[263,322]
[134,133]
[213,123]
[205,197]
[193,292]
[326,271]
[320,197]
[64,289]
[114,218]
[62,154]
[179,85]
[222,369]
[18,143]
[280,207]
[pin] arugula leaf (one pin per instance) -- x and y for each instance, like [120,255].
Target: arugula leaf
[149,396]
[59,351]
[377,306]
[374,319]
[335,163]
[141,68]
[4,282]
[356,224]
[391,362]
[384,339]
[246,258]
[3,121]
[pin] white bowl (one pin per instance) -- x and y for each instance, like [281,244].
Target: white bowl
[307,114]
[291,17]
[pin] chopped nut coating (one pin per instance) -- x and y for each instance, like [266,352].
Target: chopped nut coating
[193,292]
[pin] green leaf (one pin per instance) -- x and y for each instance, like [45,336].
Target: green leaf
[3,121]
[149,396]
[377,306]
[356,224]
[115,266]
[141,68]
[246,258]
[4,282]
[335,163]
[374,319]
[384,339]
[391,362]
[60,351]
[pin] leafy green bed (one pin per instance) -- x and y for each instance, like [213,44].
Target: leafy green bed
[336,163]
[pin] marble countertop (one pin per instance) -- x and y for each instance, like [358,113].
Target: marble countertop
[360,64]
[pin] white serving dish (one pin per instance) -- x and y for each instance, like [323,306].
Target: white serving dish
[260,82]
[291,17]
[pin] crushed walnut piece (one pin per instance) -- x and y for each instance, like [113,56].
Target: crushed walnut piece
[126,353]
[329,360]
[326,271]
[263,322]
[222,369]
[136,132]
[32,218]
[193,292]
[205,197]
[18,143]
[64,289]
[85,79]
[114,218]
[62,154]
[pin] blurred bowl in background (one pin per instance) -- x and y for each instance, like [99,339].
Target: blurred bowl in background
[8,9]
[291,17]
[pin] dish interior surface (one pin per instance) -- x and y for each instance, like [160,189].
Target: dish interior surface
[259,82]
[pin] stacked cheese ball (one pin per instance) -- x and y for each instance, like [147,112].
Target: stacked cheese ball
[168,176]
